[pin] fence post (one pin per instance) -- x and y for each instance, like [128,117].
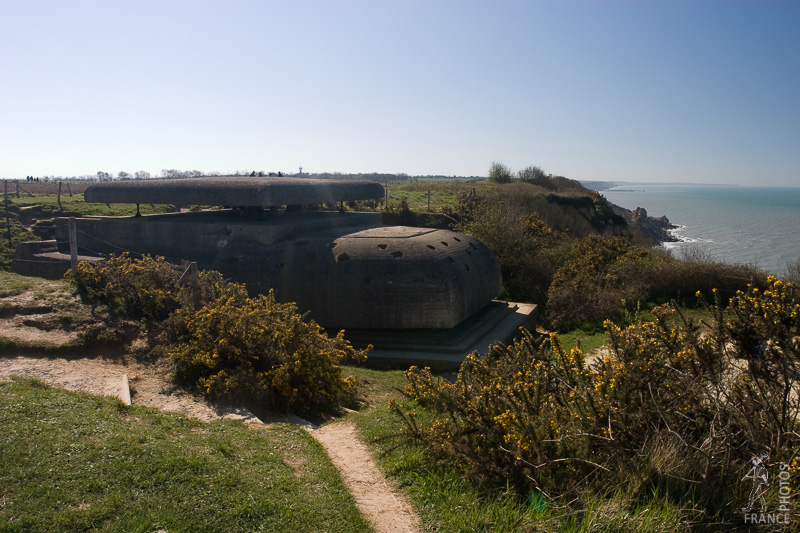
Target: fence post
[195,285]
[59,196]
[17,184]
[429,199]
[8,219]
[73,245]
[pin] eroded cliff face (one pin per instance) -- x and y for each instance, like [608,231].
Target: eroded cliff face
[654,230]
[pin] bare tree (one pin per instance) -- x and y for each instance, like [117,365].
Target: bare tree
[532,174]
[499,173]
[142,175]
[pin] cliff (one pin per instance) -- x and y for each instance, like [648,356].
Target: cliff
[654,230]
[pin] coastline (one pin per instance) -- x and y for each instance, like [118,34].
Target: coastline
[757,226]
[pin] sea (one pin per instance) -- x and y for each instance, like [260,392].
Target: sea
[752,225]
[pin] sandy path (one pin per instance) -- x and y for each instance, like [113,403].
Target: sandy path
[149,384]
[386,509]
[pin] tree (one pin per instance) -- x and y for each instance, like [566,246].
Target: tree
[172,173]
[103,176]
[123,175]
[499,173]
[142,175]
[532,174]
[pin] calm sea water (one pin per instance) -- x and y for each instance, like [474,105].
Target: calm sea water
[753,225]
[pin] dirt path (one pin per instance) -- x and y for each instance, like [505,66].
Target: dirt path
[150,384]
[386,509]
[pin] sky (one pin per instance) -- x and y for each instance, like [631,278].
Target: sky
[648,91]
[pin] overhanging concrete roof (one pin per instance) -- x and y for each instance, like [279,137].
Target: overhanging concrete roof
[233,191]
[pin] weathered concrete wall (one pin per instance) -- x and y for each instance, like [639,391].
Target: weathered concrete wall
[389,277]
[341,267]
[197,236]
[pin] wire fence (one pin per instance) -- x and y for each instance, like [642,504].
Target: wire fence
[28,188]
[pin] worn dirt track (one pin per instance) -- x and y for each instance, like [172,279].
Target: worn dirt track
[386,509]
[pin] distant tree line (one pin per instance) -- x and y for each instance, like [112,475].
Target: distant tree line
[382,177]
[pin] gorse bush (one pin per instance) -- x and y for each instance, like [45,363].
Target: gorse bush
[233,347]
[262,352]
[590,286]
[673,406]
[145,288]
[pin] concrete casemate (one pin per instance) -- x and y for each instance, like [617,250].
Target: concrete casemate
[345,269]
[233,191]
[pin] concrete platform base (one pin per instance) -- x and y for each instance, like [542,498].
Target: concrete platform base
[43,259]
[445,349]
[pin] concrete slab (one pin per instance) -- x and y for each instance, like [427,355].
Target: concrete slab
[234,191]
[43,259]
[446,349]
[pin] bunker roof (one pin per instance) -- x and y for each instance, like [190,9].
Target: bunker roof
[234,191]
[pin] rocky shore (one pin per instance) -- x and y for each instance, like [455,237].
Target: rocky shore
[655,230]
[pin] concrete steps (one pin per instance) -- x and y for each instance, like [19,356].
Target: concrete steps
[44,260]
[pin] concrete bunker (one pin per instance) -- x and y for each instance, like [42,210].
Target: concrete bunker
[417,294]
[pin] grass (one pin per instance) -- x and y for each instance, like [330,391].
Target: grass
[76,206]
[12,284]
[74,462]
[45,291]
[446,501]
[41,211]
[590,341]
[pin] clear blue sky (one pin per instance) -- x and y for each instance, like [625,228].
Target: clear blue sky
[692,91]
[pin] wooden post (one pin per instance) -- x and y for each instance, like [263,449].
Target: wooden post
[195,285]
[17,183]
[69,190]
[73,245]
[429,199]
[59,196]
[8,219]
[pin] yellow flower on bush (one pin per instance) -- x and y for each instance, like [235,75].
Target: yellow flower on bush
[262,352]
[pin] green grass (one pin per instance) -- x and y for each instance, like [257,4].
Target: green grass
[44,290]
[45,208]
[446,501]
[74,462]
[590,341]
[75,205]
[11,284]
[443,194]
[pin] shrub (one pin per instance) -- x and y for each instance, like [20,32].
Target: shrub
[252,350]
[145,288]
[674,405]
[399,214]
[591,284]
[499,173]
[534,174]
[263,353]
